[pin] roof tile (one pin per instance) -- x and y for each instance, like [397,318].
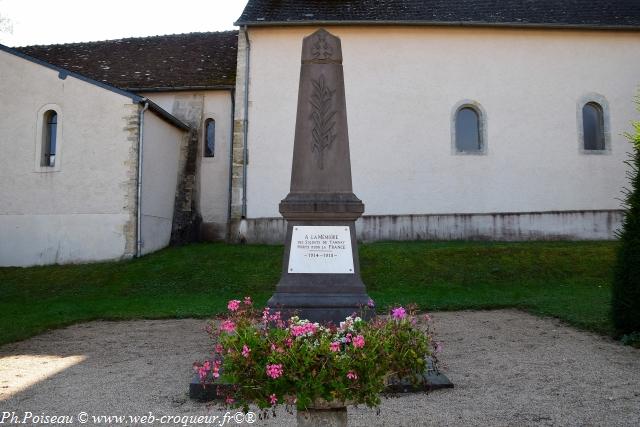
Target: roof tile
[578,13]
[194,60]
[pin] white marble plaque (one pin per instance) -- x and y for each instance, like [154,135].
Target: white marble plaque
[321,249]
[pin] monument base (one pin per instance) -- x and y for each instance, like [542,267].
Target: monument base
[334,417]
[321,308]
[209,391]
[432,379]
[321,273]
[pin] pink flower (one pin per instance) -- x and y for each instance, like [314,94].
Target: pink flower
[203,370]
[348,338]
[229,400]
[358,342]
[228,326]
[334,346]
[219,348]
[288,342]
[352,375]
[233,305]
[399,313]
[277,319]
[245,351]
[438,348]
[304,329]
[274,371]
[273,399]
[371,303]
[275,316]
[247,301]
[216,368]
[427,318]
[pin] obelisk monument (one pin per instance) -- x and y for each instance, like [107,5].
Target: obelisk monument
[321,272]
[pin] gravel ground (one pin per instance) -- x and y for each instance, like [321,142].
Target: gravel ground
[509,369]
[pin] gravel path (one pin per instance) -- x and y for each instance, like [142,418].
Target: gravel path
[509,368]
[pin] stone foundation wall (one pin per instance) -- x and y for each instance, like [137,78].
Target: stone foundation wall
[237,145]
[567,225]
[130,185]
[186,220]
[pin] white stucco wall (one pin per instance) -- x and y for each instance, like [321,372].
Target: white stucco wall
[213,172]
[401,87]
[160,161]
[79,210]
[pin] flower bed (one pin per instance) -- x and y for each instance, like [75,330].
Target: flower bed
[274,361]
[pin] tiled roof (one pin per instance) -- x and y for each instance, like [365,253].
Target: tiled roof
[553,13]
[179,61]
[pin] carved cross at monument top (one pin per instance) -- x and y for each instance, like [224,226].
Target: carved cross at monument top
[321,47]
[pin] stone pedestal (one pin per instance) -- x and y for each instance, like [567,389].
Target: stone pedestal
[321,272]
[322,417]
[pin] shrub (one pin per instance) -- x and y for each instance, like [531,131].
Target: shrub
[626,283]
[271,361]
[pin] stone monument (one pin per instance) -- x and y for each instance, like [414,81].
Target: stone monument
[321,272]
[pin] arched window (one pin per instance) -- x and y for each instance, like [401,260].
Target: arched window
[594,130]
[209,138]
[593,126]
[49,137]
[468,128]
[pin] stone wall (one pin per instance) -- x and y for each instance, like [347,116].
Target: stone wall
[202,201]
[239,127]
[83,208]
[132,128]
[161,179]
[578,225]
[401,93]
[186,219]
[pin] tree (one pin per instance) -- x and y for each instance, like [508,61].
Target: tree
[626,283]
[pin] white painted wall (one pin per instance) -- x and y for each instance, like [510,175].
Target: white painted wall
[401,87]
[162,149]
[213,172]
[79,210]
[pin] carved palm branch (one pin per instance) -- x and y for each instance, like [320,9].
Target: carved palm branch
[323,118]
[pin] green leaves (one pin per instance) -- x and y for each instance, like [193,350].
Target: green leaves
[349,363]
[626,284]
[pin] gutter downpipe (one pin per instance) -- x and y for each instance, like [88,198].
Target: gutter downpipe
[139,184]
[245,151]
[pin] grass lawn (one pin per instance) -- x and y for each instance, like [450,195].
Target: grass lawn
[568,280]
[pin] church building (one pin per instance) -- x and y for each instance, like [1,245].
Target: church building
[497,120]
